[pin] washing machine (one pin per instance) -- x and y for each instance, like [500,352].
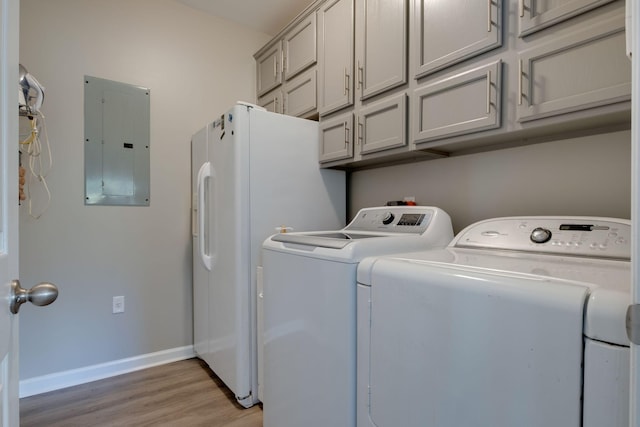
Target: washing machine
[309,310]
[519,322]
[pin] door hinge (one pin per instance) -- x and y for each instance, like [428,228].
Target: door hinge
[633,323]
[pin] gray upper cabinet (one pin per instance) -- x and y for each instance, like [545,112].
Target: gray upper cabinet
[335,31]
[300,94]
[380,128]
[284,59]
[381,45]
[297,97]
[299,47]
[269,69]
[272,101]
[391,80]
[538,14]
[382,125]
[458,104]
[582,70]
[336,135]
[380,52]
[447,32]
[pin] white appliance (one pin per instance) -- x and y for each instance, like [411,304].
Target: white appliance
[633,45]
[493,330]
[310,310]
[253,171]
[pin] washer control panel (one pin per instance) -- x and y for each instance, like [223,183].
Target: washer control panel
[583,236]
[400,219]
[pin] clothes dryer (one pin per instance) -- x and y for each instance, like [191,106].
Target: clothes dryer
[515,323]
[309,307]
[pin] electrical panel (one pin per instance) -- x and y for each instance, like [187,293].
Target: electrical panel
[116,143]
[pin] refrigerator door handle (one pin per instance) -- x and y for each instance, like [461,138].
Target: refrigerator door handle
[203,174]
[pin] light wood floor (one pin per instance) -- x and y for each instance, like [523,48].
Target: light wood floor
[184,393]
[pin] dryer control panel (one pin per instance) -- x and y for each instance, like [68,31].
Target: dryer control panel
[580,236]
[399,219]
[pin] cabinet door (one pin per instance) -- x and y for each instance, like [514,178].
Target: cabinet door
[538,14]
[272,101]
[299,47]
[300,94]
[381,29]
[459,104]
[336,138]
[382,125]
[269,74]
[586,69]
[451,31]
[335,20]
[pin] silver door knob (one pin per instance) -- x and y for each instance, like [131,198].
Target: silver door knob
[41,294]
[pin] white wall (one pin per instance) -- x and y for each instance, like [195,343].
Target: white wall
[196,66]
[582,176]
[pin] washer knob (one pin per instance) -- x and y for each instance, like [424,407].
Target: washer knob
[540,235]
[388,218]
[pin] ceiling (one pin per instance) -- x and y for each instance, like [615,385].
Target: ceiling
[267,16]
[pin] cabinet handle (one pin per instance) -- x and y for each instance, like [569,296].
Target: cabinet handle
[284,62]
[276,104]
[360,132]
[521,8]
[346,135]
[360,76]
[520,82]
[346,81]
[489,92]
[489,4]
[275,67]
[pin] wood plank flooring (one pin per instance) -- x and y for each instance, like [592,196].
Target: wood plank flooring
[184,393]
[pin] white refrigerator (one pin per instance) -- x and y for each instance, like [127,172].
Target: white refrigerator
[253,172]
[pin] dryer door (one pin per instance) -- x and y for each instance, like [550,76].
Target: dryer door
[462,346]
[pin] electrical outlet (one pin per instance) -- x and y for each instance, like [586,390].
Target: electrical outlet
[118,304]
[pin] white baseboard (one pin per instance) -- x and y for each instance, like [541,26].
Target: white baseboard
[59,380]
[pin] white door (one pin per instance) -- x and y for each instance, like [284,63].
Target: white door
[633,45]
[229,328]
[9,16]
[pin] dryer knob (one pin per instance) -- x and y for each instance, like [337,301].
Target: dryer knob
[540,235]
[388,218]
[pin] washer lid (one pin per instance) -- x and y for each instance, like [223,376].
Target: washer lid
[330,239]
